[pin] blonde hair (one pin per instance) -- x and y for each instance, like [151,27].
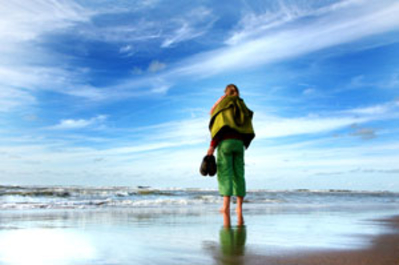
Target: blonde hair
[232,90]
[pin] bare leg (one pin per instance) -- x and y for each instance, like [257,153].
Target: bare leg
[226,219]
[240,200]
[226,205]
[240,218]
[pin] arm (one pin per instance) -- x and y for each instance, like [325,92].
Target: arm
[213,145]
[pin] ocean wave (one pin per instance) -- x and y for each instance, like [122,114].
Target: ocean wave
[108,203]
[41,193]
[84,191]
[49,197]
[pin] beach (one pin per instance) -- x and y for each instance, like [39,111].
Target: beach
[183,226]
[383,250]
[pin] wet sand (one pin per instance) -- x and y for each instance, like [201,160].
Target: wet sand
[196,236]
[384,250]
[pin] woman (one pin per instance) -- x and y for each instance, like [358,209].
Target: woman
[231,130]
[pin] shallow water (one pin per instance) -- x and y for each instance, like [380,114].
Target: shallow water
[180,234]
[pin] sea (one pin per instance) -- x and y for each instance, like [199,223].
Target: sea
[78,197]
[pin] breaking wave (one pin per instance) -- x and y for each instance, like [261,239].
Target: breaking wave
[78,197]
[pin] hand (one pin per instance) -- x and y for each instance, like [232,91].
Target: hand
[210,151]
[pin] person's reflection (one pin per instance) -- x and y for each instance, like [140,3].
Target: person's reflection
[232,241]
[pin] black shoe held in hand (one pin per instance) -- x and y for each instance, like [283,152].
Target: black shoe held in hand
[204,166]
[212,165]
[208,166]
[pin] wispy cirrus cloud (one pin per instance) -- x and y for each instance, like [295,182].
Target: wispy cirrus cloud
[280,13]
[59,55]
[331,25]
[29,63]
[27,21]
[11,98]
[334,28]
[165,31]
[194,24]
[271,126]
[25,67]
[334,25]
[362,81]
[377,109]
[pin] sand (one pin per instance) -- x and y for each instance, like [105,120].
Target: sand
[180,236]
[384,250]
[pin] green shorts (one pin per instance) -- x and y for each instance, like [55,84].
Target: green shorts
[230,168]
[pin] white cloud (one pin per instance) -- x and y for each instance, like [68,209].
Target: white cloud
[162,89]
[273,126]
[270,127]
[361,82]
[26,67]
[254,24]
[338,24]
[192,25]
[181,34]
[292,162]
[178,147]
[184,33]
[331,25]
[331,29]
[156,66]
[20,84]
[308,91]
[26,21]
[195,131]
[364,133]
[136,33]
[22,63]
[384,108]
[11,98]
[79,123]
[370,110]
[143,27]
[127,50]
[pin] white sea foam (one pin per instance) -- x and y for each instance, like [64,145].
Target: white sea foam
[67,197]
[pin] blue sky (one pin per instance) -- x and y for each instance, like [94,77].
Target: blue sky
[119,92]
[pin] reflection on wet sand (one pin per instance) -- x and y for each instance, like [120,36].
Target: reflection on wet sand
[232,251]
[231,248]
[190,235]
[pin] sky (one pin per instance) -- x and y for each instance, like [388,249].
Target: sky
[101,93]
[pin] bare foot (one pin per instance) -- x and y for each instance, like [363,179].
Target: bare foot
[240,220]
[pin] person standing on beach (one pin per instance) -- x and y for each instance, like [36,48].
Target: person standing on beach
[231,130]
